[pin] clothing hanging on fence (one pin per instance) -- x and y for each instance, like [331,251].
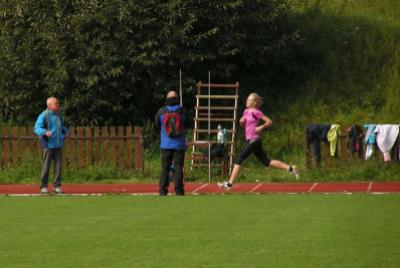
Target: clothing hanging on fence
[398,149]
[370,138]
[332,137]
[386,138]
[315,134]
[369,150]
[354,141]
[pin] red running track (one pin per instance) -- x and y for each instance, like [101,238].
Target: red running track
[211,188]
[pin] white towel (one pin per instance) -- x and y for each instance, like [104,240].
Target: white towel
[386,137]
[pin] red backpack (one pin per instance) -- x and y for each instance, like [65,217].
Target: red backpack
[173,123]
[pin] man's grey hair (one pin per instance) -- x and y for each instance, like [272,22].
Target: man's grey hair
[50,100]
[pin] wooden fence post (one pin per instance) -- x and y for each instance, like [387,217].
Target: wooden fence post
[81,163]
[139,148]
[307,151]
[328,160]
[112,144]
[6,146]
[64,152]
[88,149]
[343,147]
[39,148]
[129,147]
[96,145]
[15,146]
[104,145]
[22,143]
[72,139]
[121,160]
[32,141]
[1,148]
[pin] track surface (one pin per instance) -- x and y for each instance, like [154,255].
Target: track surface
[211,188]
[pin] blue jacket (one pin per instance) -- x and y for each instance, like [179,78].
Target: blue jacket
[49,120]
[177,143]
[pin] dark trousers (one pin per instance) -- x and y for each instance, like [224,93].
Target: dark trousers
[315,148]
[49,155]
[256,148]
[178,156]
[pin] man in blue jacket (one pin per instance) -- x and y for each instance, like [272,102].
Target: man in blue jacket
[49,126]
[173,119]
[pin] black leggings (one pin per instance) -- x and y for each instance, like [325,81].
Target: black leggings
[255,147]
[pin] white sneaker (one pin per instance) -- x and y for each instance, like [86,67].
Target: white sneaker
[225,185]
[295,172]
[44,190]
[58,190]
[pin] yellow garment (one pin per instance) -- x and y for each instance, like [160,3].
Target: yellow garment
[332,136]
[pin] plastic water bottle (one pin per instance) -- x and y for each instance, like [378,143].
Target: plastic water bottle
[220,134]
[225,137]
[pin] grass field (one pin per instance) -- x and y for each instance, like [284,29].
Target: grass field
[203,231]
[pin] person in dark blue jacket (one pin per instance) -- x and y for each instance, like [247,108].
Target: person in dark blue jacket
[50,127]
[173,120]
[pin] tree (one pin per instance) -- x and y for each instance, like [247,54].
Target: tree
[111,61]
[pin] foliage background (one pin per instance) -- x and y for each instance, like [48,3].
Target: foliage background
[111,62]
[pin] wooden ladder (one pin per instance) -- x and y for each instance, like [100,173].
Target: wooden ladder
[223,110]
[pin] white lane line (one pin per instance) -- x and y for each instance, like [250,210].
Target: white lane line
[199,188]
[369,188]
[255,187]
[312,187]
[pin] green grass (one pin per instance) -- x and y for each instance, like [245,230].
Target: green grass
[252,170]
[201,231]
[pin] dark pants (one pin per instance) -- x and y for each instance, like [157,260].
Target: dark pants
[256,148]
[178,156]
[315,148]
[48,156]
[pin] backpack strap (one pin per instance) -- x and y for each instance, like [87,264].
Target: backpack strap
[47,120]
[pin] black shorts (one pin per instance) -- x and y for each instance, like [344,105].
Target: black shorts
[255,147]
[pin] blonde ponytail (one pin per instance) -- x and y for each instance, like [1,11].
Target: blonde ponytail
[258,100]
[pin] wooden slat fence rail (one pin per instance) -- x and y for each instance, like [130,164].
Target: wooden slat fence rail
[85,146]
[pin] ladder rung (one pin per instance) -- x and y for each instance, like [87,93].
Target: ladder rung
[215,119]
[197,153]
[232,86]
[212,115]
[203,155]
[204,143]
[217,96]
[211,130]
[206,164]
[227,108]
[196,157]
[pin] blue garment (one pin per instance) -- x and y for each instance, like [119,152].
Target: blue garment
[55,125]
[370,135]
[177,143]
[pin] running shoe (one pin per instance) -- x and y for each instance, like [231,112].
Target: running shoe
[225,185]
[295,172]
[58,190]
[44,190]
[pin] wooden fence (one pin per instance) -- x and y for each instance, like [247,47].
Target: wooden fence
[84,146]
[344,154]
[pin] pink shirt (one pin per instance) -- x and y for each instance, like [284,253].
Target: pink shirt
[252,117]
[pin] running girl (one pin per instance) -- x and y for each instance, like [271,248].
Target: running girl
[251,118]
